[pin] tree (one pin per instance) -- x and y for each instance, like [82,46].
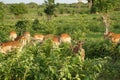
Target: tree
[18,9]
[32,5]
[2,11]
[104,7]
[22,26]
[36,25]
[79,5]
[90,3]
[50,8]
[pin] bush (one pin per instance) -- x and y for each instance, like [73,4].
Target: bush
[97,49]
[22,26]
[41,62]
[117,26]
[38,64]
[2,11]
[95,26]
[36,25]
[18,9]
[40,13]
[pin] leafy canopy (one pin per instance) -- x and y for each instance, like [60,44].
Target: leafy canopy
[104,5]
[50,7]
[18,9]
[2,11]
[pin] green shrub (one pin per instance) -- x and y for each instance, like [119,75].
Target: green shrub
[117,26]
[36,25]
[22,26]
[96,49]
[18,9]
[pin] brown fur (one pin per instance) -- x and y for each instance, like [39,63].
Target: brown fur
[115,38]
[37,38]
[12,35]
[28,36]
[48,36]
[78,49]
[56,41]
[11,45]
[22,39]
[65,38]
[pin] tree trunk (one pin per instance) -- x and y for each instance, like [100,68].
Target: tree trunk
[90,2]
[78,5]
[106,20]
[49,17]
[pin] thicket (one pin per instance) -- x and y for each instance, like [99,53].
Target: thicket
[41,62]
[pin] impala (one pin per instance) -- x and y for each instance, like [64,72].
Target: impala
[28,36]
[11,45]
[48,36]
[79,49]
[65,38]
[12,35]
[37,38]
[56,41]
[22,39]
[115,38]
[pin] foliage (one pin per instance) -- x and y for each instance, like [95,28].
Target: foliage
[18,9]
[42,62]
[99,49]
[111,69]
[22,26]
[32,5]
[104,5]
[36,26]
[2,11]
[50,8]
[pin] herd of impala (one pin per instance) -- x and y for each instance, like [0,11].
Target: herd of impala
[18,42]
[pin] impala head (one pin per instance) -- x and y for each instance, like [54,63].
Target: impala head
[26,34]
[12,35]
[80,43]
[110,34]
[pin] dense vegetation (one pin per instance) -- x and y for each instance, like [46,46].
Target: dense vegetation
[41,62]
